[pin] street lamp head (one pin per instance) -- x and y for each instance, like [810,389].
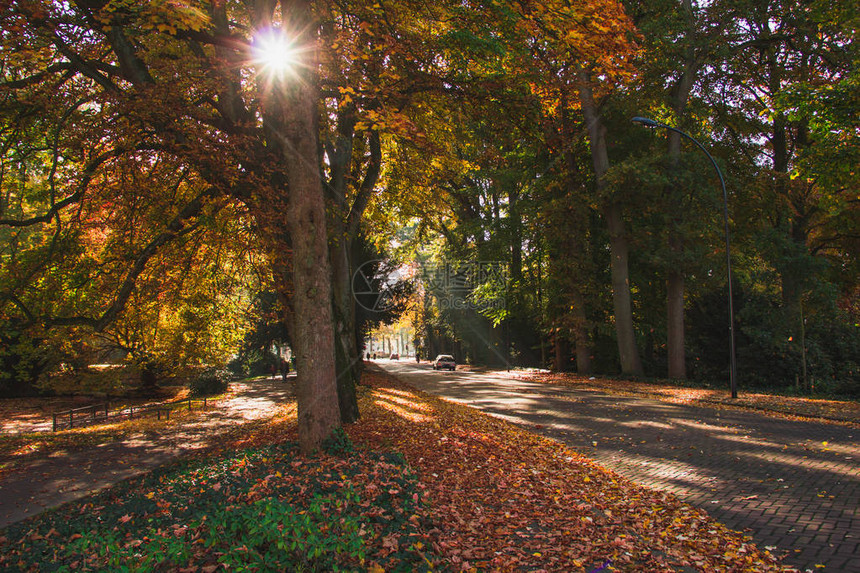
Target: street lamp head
[645,121]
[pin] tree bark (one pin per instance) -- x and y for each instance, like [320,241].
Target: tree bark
[348,360]
[675,280]
[580,334]
[675,325]
[313,322]
[675,284]
[628,353]
[560,353]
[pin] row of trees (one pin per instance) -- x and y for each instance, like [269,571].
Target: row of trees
[614,233]
[162,165]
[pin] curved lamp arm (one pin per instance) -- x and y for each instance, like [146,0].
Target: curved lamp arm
[647,122]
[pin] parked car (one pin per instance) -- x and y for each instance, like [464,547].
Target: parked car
[394,356]
[444,361]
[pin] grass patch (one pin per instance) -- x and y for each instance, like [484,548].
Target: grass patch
[258,509]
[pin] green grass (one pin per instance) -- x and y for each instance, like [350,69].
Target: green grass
[262,509]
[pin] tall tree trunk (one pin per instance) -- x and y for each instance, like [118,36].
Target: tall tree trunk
[675,284]
[579,218]
[561,352]
[675,280]
[345,224]
[621,298]
[313,328]
[515,227]
[675,324]
[348,361]
[628,353]
[580,334]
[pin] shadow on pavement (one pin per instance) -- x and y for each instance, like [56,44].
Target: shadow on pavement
[794,486]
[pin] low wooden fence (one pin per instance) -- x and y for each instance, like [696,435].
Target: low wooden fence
[101,414]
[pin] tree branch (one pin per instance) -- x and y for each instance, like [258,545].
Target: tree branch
[365,191]
[88,174]
[176,228]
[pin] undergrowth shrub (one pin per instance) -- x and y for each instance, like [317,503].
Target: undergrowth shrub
[338,444]
[210,382]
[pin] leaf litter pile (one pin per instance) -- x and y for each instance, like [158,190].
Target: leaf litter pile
[429,486]
[504,499]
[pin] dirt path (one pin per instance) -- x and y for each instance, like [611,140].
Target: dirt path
[793,485]
[65,475]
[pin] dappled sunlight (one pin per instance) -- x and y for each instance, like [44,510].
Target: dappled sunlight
[842,410]
[404,404]
[414,403]
[747,440]
[28,449]
[397,392]
[287,412]
[793,461]
[639,423]
[673,475]
[699,425]
[738,466]
[408,410]
[246,401]
[835,448]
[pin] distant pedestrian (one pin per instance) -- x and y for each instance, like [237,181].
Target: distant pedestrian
[285,369]
[417,358]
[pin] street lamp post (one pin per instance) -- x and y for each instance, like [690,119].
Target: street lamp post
[733,363]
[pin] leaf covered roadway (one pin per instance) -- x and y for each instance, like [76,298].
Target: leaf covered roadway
[503,498]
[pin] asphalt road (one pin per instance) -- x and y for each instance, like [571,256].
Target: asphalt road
[793,486]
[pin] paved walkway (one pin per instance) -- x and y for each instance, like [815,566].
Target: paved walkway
[48,481]
[793,486]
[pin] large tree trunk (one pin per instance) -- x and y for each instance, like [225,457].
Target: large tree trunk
[560,353]
[580,334]
[578,219]
[313,327]
[675,284]
[675,336]
[349,362]
[675,324]
[628,353]
[345,224]
[622,301]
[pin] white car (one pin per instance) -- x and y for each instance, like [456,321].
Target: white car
[445,361]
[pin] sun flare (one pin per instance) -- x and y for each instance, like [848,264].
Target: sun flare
[275,53]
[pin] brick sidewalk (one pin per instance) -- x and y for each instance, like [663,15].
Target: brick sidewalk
[793,486]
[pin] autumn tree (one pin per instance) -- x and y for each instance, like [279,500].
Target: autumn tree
[196,84]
